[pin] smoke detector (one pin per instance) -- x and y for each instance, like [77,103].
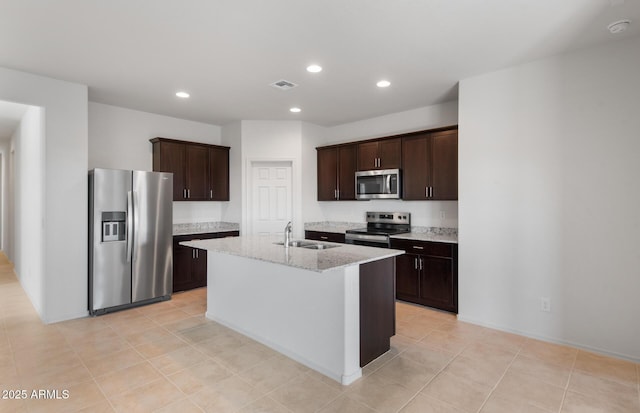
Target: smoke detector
[283,84]
[619,26]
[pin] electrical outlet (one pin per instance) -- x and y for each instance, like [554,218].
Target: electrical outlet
[443,215]
[545,304]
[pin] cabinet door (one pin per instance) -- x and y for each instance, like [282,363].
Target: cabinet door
[170,157]
[437,282]
[182,274]
[327,174]
[415,171]
[347,172]
[197,172]
[407,277]
[389,153]
[199,268]
[219,174]
[444,164]
[367,156]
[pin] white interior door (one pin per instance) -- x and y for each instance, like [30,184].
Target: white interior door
[271,198]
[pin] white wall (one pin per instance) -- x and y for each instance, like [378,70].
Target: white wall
[232,137]
[273,141]
[549,200]
[64,223]
[428,117]
[28,200]
[312,137]
[119,139]
[5,156]
[423,213]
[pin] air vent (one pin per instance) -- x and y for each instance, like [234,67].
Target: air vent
[283,84]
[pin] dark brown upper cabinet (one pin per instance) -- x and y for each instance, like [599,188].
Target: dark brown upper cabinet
[430,166]
[336,173]
[219,173]
[200,171]
[380,154]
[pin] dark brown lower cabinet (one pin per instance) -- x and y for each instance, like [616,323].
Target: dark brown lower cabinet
[427,273]
[377,308]
[190,264]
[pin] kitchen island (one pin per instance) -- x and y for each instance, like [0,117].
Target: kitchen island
[331,309]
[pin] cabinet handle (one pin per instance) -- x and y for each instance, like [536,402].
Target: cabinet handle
[430,192]
[335,194]
[338,194]
[426,192]
[188,193]
[415,263]
[197,254]
[417,247]
[210,193]
[420,264]
[321,237]
[184,193]
[193,254]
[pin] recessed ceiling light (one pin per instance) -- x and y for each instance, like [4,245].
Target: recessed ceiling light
[314,68]
[295,110]
[619,26]
[383,83]
[182,95]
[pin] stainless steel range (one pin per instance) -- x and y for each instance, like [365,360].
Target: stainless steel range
[380,227]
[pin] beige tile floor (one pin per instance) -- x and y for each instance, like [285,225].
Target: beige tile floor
[167,357]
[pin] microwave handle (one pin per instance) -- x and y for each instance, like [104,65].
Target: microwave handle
[388,184]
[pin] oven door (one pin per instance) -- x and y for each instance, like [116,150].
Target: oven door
[383,184]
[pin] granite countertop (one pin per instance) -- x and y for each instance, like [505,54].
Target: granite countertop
[433,234]
[204,227]
[263,249]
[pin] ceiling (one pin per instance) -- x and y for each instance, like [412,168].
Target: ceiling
[225,53]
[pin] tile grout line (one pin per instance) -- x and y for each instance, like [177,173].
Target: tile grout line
[638,380]
[495,386]
[431,379]
[566,387]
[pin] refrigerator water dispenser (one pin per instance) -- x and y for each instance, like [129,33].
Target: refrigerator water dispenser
[114,226]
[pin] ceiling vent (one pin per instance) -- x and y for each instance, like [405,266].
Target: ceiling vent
[283,84]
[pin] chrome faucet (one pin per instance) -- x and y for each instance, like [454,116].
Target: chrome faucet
[287,234]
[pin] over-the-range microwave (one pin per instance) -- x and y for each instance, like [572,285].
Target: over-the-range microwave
[378,184]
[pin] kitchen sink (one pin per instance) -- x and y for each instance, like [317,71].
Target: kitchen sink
[296,243]
[308,245]
[320,246]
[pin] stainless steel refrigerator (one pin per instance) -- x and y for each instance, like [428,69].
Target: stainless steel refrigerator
[130,238]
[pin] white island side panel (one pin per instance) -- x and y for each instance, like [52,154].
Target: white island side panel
[308,316]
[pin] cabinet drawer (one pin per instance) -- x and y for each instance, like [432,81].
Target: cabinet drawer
[438,249]
[324,236]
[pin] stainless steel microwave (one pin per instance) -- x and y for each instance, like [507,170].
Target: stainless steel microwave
[378,184]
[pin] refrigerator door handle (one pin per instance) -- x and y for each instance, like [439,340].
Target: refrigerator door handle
[136,220]
[129,225]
